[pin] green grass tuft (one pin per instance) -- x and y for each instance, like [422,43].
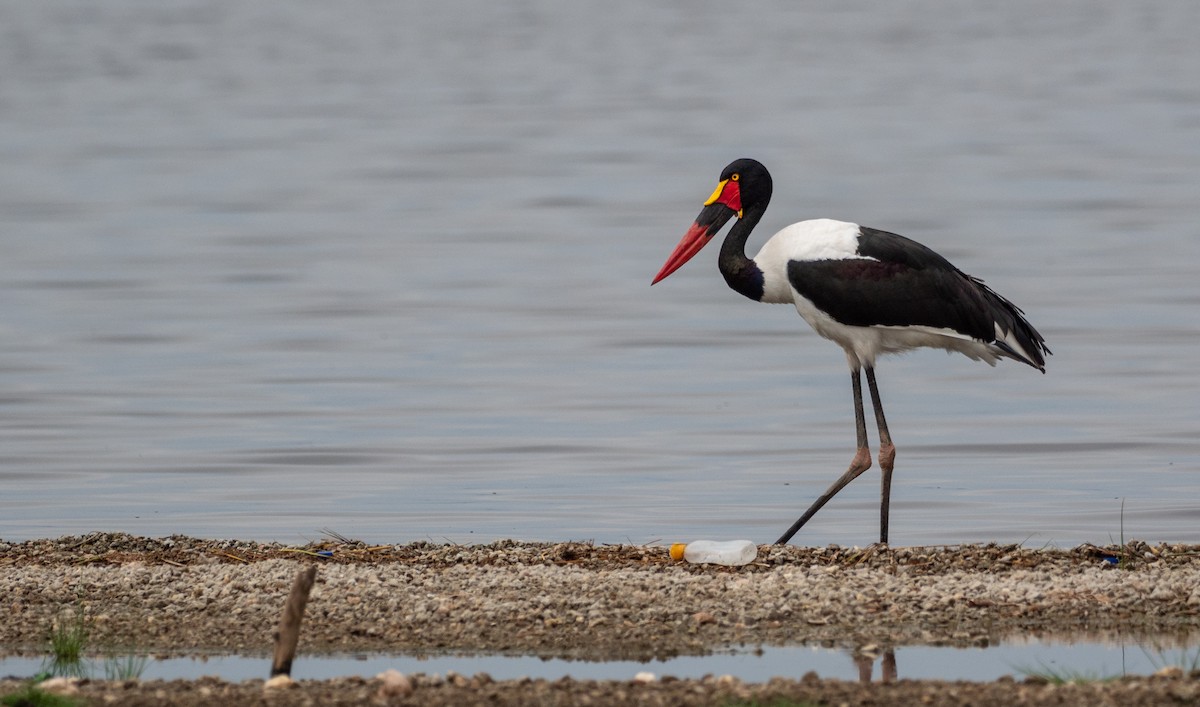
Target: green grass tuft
[68,639]
[1186,660]
[125,667]
[1063,676]
[31,696]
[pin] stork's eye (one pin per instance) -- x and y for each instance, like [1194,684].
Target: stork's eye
[735,177]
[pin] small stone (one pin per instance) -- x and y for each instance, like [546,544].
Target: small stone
[645,677]
[279,682]
[703,617]
[1162,594]
[60,686]
[395,684]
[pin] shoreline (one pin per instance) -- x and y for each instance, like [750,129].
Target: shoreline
[578,600]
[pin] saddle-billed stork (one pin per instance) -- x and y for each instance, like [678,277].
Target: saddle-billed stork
[870,291]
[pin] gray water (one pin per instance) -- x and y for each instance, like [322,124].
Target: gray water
[275,267]
[1086,658]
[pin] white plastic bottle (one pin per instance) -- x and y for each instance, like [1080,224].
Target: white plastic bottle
[716,552]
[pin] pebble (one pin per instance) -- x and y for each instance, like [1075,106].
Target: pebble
[393,684]
[279,682]
[60,686]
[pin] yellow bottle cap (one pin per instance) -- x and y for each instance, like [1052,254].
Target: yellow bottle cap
[677,551]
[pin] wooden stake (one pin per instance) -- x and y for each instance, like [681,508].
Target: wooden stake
[287,637]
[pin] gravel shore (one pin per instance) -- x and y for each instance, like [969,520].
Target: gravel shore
[579,600]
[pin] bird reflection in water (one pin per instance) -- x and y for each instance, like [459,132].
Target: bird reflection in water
[864,660]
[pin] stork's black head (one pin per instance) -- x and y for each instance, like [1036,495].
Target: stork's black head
[753,183]
[745,185]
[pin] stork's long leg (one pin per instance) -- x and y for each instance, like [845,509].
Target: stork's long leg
[862,457]
[887,456]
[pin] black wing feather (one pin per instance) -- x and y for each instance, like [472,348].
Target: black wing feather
[906,284]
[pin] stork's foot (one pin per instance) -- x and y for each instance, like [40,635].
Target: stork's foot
[870,551]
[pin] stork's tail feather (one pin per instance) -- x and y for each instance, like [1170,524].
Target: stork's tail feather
[1015,336]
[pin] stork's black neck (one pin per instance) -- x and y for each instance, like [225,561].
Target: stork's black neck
[742,273]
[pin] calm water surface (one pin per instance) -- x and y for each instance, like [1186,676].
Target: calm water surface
[275,267]
[1090,659]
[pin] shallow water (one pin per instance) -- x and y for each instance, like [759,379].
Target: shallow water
[277,267]
[1086,659]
